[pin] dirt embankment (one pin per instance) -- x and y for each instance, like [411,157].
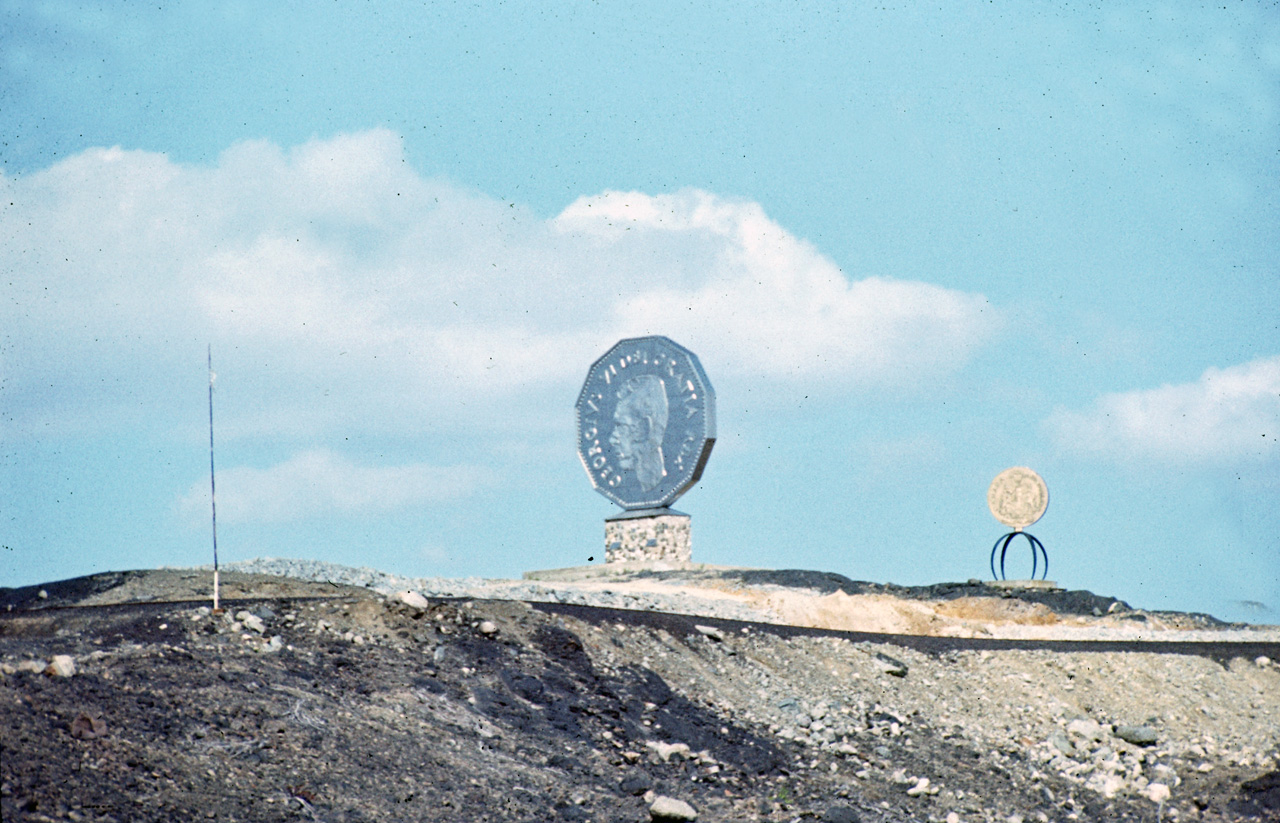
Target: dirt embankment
[317,702]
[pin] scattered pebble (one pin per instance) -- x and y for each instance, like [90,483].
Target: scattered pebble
[666,809]
[1061,743]
[711,632]
[88,727]
[1086,730]
[841,814]
[666,750]
[1138,735]
[636,783]
[1107,785]
[412,599]
[62,665]
[250,621]
[891,665]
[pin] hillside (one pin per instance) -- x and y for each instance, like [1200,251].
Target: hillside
[308,700]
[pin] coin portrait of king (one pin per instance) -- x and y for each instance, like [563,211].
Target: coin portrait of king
[639,425]
[646,422]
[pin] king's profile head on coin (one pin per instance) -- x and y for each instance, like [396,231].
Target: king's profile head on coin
[646,422]
[639,424]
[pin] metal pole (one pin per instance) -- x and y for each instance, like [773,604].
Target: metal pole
[213,489]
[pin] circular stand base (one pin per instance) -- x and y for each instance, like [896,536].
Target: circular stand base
[1037,551]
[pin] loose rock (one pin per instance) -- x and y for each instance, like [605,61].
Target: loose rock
[1106,785]
[666,750]
[636,783]
[841,814]
[1138,735]
[251,621]
[668,809]
[921,787]
[711,632]
[62,665]
[891,665]
[88,727]
[412,599]
[1087,730]
[1059,741]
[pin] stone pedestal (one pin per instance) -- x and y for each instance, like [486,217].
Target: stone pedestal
[646,535]
[1041,585]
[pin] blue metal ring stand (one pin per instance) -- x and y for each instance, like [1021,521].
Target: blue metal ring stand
[1003,545]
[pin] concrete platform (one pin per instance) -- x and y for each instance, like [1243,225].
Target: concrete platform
[604,571]
[1041,585]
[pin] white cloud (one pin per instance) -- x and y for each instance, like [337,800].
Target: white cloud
[1228,414]
[767,303]
[356,292]
[319,482]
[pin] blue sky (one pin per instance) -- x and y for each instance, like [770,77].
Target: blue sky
[911,247]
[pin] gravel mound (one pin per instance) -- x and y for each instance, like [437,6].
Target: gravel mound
[500,589]
[702,593]
[305,700]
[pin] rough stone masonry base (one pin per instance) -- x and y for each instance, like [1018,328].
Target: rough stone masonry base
[664,536]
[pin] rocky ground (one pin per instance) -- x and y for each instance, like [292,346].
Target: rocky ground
[123,699]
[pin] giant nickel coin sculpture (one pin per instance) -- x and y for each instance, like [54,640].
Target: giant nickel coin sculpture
[646,422]
[1017,498]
